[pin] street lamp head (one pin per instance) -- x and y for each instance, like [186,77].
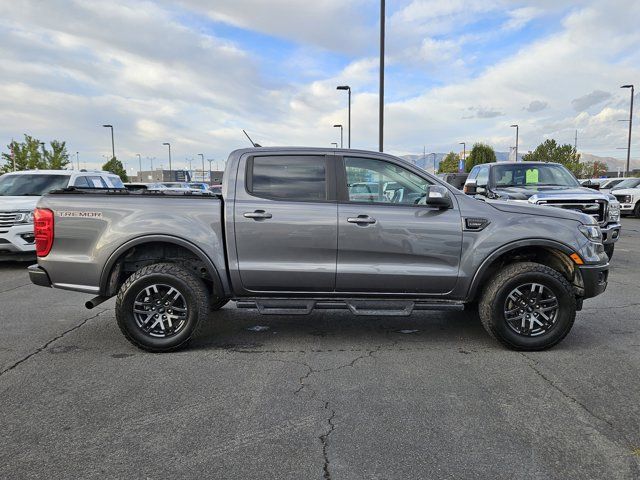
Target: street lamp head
[166,143]
[338,126]
[626,86]
[343,87]
[108,126]
[514,126]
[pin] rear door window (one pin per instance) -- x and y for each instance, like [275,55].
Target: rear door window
[81,182]
[297,178]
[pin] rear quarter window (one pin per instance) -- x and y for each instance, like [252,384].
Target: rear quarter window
[301,178]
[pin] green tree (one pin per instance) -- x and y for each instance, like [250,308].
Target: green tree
[30,155]
[551,151]
[57,158]
[450,163]
[480,153]
[115,166]
[26,155]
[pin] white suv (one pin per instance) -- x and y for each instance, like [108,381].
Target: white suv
[628,194]
[20,192]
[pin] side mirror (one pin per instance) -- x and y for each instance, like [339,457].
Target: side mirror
[470,187]
[438,197]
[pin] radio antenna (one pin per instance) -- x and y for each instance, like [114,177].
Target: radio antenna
[252,142]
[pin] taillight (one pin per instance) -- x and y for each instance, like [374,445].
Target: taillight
[43,230]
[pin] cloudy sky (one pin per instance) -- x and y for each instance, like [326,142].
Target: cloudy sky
[196,72]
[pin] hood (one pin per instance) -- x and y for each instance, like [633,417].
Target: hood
[9,204]
[540,210]
[522,193]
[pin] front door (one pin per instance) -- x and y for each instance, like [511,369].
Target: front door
[285,219]
[387,240]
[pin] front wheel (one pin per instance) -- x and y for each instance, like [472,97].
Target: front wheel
[608,249]
[160,307]
[528,306]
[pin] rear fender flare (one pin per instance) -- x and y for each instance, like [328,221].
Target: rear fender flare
[117,254]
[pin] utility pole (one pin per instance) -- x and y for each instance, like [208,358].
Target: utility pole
[575,142]
[630,126]
[113,147]
[78,159]
[517,139]
[341,131]
[170,171]
[348,88]
[140,165]
[381,95]
[210,175]
[434,162]
[202,156]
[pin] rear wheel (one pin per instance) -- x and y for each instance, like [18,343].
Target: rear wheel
[528,306]
[608,249]
[160,307]
[636,210]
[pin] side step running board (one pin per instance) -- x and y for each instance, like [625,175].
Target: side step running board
[364,307]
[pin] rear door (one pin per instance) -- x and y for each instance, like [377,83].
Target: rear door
[390,242]
[285,217]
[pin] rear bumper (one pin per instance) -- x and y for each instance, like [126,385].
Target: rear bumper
[594,278]
[611,233]
[39,276]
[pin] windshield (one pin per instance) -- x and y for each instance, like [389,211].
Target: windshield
[529,175]
[628,183]
[31,185]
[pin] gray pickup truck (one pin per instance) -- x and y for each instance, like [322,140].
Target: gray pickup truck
[292,233]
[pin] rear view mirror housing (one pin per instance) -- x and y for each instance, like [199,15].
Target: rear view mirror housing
[438,197]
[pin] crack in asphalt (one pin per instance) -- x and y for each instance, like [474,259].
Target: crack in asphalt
[46,345]
[324,440]
[15,288]
[613,307]
[533,364]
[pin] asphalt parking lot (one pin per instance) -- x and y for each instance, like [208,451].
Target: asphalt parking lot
[328,395]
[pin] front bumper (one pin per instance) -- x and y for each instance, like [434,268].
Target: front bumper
[627,207]
[594,279]
[610,233]
[17,239]
[39,276]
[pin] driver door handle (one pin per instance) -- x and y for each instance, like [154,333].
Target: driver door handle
[361,220]
[257,215]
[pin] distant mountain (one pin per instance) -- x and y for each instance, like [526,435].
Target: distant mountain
[613,164]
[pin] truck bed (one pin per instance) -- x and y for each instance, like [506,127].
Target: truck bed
[92,226]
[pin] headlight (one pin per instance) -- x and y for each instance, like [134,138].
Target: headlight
[614,211]
[626,199]
[592,232]
[24,217]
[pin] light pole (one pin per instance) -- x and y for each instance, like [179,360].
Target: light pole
[381,95]
[464,155]
[630,126]
[348,89]
[78,159]
[113,147]
[210,175]
[140,164]
[151,159]
[341,131]
[434,162]
[202,156]
[170,173]
[517,138]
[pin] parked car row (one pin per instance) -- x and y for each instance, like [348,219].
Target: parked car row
[20,192]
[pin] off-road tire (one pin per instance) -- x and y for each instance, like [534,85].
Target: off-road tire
[190,286]
[608,249]
[636,210]
[492,301]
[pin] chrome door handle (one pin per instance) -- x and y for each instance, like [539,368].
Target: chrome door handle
[361,220]
[257,215]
